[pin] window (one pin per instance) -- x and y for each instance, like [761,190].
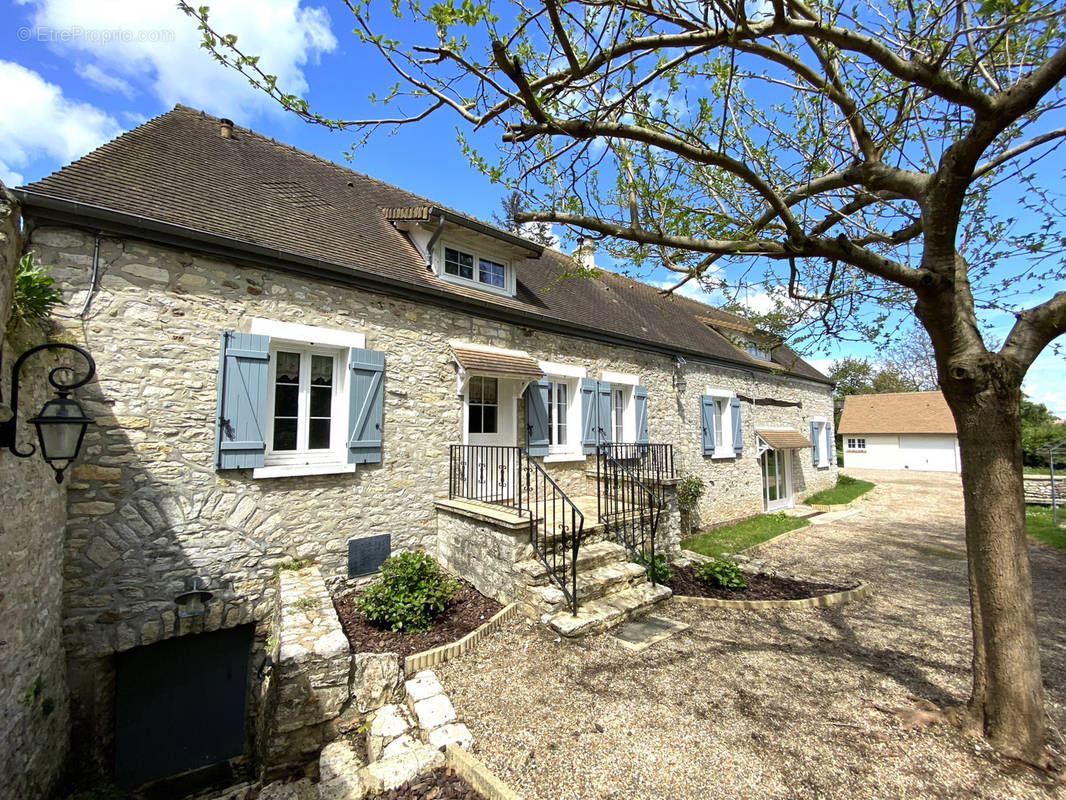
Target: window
[756,350]
[720,422]
[558,394]
[618,414]
[303,404]
[858,445]
[464,266]
[824,451]
[483,405]
[298,400]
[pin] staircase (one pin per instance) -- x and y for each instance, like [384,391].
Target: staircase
[610,587]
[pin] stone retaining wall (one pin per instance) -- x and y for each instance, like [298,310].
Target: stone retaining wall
[1038,490]
[34,705]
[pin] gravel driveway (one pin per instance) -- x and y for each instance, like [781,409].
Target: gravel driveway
[771,704]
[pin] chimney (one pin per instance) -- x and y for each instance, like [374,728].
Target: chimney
[583,253]
[226,129]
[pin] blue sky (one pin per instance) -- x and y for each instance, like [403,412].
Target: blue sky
[74,74]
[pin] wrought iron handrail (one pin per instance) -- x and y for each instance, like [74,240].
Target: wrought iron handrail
[627,505]
[651,462]
[509,477]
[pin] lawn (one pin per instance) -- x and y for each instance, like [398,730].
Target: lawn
[846,490]
[1060,470]
[1038,525]
[734,538]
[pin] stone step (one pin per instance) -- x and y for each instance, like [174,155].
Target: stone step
[548,598]
[590,556]
[597,616]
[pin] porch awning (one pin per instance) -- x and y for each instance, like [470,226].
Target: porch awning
[783,438]
[492,361]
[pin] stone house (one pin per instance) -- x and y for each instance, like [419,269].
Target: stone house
[297,361]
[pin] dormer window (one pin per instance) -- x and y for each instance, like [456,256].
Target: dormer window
[465,265]
[756,350]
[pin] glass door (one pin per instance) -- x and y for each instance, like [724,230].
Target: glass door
[776,480]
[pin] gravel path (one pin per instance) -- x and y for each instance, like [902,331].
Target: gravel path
[772,704]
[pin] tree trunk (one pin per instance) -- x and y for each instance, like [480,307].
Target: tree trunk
[1008,696]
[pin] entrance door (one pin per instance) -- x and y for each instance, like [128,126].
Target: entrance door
[179,705]
[777,479]
[490,428]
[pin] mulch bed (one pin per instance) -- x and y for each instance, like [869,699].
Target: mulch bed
[468,610]
[760,587]
[437,784]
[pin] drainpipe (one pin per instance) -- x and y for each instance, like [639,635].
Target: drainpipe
[433,241]
[92,277]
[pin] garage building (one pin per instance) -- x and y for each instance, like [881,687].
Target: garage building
[905,430]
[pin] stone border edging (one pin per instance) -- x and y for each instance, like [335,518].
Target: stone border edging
[863,590]
[428,659]
[836,506]
[471,770]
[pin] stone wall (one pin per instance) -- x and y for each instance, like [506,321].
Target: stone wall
[148,509]
[482,552]
[34,707]
[1038,490]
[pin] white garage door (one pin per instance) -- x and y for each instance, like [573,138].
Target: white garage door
[929,453]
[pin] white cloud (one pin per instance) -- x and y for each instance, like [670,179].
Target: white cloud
[821,364]
[155,46]
[36,120]
[691,290]
[102,80]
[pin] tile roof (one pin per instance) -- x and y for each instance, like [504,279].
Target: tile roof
[177,170]
[783,438]
[497,362]
[902,412]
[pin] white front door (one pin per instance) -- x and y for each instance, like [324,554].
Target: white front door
[489,425]
[777,479]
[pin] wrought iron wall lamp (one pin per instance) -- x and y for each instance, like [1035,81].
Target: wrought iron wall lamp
[60,423]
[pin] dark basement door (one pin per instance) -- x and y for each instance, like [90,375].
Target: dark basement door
[180,705]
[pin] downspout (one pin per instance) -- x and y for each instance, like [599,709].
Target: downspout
[92,278]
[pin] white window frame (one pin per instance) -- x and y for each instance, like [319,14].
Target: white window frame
[571,376]
[757,351]
[723,436]
[478,254]
[824,458]
[626,383]
[856,444]
[290,337]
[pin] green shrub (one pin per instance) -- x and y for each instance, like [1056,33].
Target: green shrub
[411,592]
[33,296]
[689,492]
[660,571]
[721,573]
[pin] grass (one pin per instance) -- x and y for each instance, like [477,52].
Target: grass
[734,538]
[1060,470]
[1038,525]
[846,490]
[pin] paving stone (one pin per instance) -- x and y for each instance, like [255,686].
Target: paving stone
[453,733]
[434,712]
[391,772]
[422,686]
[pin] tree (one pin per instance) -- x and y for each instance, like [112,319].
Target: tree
[1039,428]
[868,156]
[852,376]
[511,207]
[910,356]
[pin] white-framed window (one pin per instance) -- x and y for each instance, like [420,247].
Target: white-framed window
[483,405]
[623,409]
[564,411]
[307,404]
[756,350]
[857,445]
[460,263]
[723,422]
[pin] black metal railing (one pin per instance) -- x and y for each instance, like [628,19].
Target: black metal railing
[509,477]
[626,501]
[651,463]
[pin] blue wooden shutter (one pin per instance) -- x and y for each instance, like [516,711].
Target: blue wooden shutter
[707,423]
[537,417]
[366,394]
[242,389]
[815,438]
[738,435]
[830,444]
[603,412]
[640,399]
[589,420]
